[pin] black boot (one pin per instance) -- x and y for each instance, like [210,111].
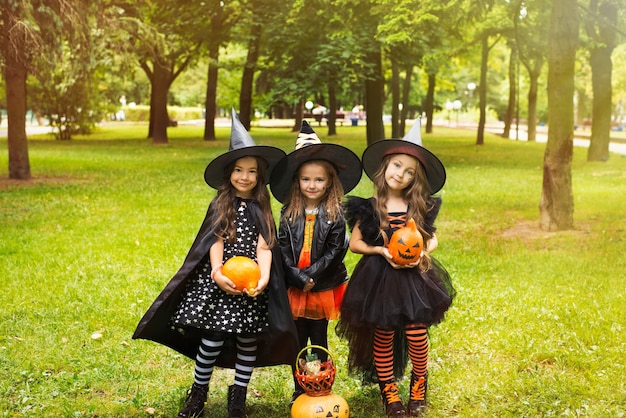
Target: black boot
[194,404]
[237,401]
[391,400]
[418,388]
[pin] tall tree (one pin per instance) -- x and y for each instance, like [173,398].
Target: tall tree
[557,202]
[600,24]
[14,37]
[531,36]
[257,16]
[166,42]
[27,27]
[216,37]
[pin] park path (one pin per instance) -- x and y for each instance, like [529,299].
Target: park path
[516,135]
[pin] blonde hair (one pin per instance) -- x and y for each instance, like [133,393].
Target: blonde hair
[294,204]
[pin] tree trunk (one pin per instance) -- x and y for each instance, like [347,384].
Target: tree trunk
[247,79]
[15,81]
[299,116]
[160,87]
[151,111]
[510,110]
[482,91]
[557,202]
[374,99]
[406,90]
[210,106]
[601,70]
[532,100]
[430,102]
[395,99]
[332,107]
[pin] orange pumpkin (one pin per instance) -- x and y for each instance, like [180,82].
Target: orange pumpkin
[242,271]
[406,244]
[326,406]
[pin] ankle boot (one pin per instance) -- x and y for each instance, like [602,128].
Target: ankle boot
[418,388]
[391,400]
[194,404]
[237,401]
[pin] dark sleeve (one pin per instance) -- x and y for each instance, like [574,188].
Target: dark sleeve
[356,209]
[429,220]
[293,274]
[362,211]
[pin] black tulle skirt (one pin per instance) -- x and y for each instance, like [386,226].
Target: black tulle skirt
[379,296]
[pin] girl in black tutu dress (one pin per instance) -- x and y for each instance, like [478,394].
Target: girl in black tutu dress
[387,308]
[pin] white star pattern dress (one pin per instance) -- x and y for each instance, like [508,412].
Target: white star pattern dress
[206,308]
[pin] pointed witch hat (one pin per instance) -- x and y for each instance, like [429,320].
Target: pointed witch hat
[411,144]
[309,148]
[241,145]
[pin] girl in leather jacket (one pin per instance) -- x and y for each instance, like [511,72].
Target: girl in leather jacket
[313,239]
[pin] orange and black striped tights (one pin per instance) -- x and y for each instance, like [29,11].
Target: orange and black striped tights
[417,337]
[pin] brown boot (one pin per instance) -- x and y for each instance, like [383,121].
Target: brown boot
[194,404]
[418,388]
[391,400]
[237,401]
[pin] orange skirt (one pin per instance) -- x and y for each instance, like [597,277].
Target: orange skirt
[316,305]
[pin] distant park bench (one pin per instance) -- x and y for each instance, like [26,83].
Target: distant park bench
[339,117]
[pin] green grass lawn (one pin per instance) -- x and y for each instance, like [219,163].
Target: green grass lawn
[536,330]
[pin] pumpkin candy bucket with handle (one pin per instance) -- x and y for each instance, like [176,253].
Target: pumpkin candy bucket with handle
[316,379]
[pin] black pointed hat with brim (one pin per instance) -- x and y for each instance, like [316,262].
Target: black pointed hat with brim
[310,148]
[411,144]
[241,145]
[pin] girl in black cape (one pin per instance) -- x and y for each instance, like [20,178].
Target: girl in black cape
[200,313]
[387,308]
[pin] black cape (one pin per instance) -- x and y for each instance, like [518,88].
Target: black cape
[279,345]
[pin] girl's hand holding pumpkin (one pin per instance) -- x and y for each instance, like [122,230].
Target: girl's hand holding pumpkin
[263,282]
[224,283]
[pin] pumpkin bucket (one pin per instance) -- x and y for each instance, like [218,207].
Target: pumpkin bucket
[320,383]
[317,378]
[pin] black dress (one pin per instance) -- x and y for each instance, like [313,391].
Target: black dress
[380,296]
[206,307]
[278,341]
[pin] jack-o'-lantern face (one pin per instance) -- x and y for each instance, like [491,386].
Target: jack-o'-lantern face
[406,244]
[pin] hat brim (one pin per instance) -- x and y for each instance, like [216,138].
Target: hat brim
[345,161]
[214,173]
[433,167]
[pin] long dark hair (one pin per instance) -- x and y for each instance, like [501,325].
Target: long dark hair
[224,224]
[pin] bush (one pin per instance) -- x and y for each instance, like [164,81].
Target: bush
[141,113]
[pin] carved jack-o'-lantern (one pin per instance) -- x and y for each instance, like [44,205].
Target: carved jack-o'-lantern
[406,244]
[326,406]
[242,271]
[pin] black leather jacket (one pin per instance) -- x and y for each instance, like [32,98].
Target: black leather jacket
[330,244]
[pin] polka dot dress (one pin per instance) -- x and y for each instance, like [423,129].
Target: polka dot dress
[206,307]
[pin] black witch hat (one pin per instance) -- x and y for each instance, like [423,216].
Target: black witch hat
[411,144]
[308,148]
[241,145]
